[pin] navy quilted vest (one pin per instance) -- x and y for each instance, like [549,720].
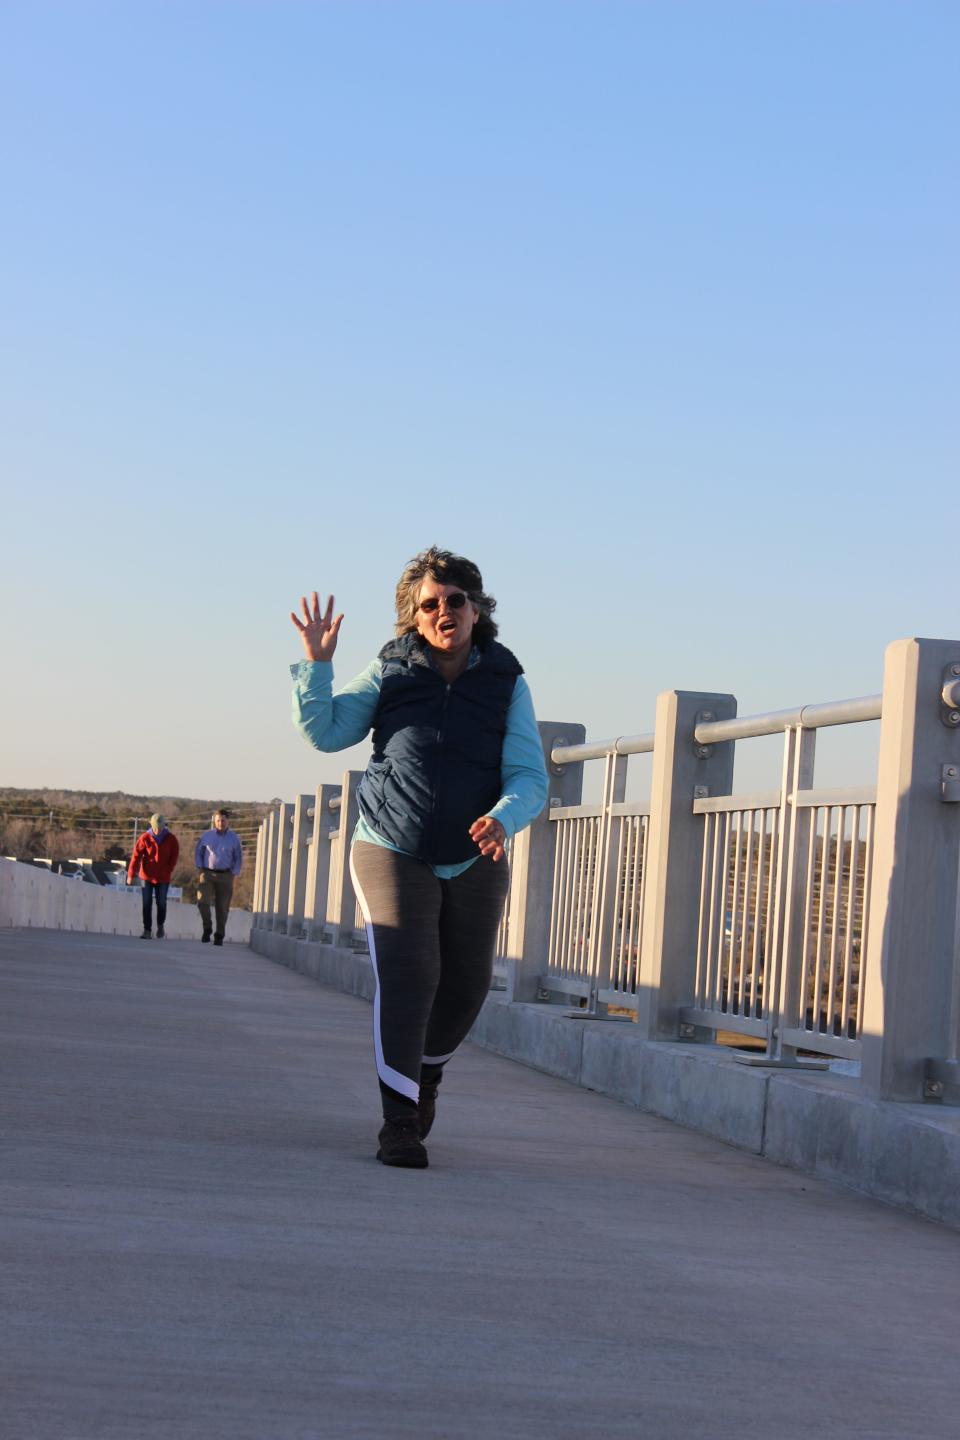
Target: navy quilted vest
[435,766]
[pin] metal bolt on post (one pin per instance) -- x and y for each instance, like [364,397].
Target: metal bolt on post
[703,752]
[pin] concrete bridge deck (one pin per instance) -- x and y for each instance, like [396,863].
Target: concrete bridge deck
[197,1242]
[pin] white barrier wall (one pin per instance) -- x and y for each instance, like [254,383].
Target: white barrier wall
[31,897]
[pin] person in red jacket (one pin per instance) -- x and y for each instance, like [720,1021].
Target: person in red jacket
[154,859]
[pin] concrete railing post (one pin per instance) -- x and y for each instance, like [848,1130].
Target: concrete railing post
[281,873]
[674,853]
[299,854]
[258,869]
[907,988]
[318,864]
[263,845]
[269,870]
[531,862]
[342,904]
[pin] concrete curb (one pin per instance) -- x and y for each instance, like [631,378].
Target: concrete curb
[905,1155]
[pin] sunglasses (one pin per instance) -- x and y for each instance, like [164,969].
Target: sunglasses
[456,601]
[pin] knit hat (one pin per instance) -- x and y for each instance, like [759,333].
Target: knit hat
[157,822]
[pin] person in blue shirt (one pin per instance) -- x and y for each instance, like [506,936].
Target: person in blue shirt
[457,769]
[219,859]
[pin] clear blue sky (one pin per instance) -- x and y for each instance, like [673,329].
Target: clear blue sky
[649,308]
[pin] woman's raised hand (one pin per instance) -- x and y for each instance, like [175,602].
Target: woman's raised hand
[318,632]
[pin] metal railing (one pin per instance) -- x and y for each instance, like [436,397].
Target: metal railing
[804,717]
[764,860]
[767,920]
[596,919]
[735,930]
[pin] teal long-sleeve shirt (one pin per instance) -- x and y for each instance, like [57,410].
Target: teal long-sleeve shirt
[331,722]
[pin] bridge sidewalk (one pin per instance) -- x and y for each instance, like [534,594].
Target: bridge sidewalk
[197,1242]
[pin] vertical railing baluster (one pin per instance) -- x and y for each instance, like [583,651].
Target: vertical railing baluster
[865,922]
[703,924]
[821,922]
[851,920]
[798,766]
[837,894]
[745,914]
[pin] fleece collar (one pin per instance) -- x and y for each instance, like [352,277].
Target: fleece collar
[413,648]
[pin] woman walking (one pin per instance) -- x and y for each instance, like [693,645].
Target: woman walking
[457,769]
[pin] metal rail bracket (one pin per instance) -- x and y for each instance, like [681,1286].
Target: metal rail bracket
[941,1082]
[702,752]
[950,696]
[950,784]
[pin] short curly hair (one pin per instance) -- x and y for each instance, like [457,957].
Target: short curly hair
[445,568]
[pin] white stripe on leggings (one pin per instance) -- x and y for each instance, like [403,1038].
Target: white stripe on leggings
[387,1074]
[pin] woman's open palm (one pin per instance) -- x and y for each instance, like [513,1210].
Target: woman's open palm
[318,632]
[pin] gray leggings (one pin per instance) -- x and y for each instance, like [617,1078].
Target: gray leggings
[431,944]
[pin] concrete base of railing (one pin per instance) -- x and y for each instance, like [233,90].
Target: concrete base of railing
[347,970]
[906,1155]
[30,897]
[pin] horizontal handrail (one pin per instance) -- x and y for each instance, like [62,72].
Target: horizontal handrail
[809,717]
[575,812]
[744,727]
[731,804]
[852,795]
[630,808]
[624,808]
[773,799]
[600,749]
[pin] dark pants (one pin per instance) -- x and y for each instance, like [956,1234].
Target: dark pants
[148,890]
[215,887]
[431,944]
